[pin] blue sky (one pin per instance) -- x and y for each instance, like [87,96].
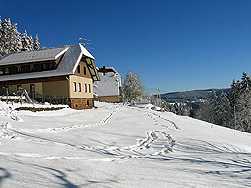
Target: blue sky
[174,45]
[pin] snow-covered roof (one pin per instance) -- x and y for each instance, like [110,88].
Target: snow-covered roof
[33,56]
[67,65]
[108,85]
[110,69]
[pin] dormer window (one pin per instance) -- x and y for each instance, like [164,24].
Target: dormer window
[18,68]
[6,71]
[51,66]
[45,66]
[1,71]
[31,67]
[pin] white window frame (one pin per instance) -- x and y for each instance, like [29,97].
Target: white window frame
[74,86]
[89,87]
[85,88]
[79,87]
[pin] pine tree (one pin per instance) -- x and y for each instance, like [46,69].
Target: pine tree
[16,44]
[5,37]
[224,111]
[243,104]
[245,83]
[27,41]
[213,107]
[1,43]
[10,40]
[204,112]
[36,43]
[233,97]
[243,114]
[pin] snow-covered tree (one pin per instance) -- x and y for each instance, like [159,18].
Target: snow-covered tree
[27,41]
[36,43]
[233,97]
[1,32]
[208,110]
[132,90]
[243,112]
[10,40]
[213,108]
[5,37]
[245,83]
[234,93]
[16,44]
[224,114]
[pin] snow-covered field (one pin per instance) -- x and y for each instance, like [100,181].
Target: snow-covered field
[119,146]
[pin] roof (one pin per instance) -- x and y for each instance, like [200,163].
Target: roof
[33,56]
[67,65]
[107,69]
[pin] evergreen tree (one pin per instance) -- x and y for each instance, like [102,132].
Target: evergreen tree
[27,41]
[10,40]
[224,111]
[243,114]
[213,108]
[233,97]
[245,83]
[1,43]
[16,44]
[5,37]
[204,112]
[36,43]
[234,93]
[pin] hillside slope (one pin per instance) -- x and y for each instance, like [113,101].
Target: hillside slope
[119,146]
[191,95]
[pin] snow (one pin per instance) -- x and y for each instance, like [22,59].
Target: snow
[119,146]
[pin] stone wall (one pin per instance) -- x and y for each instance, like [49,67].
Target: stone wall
[80,104]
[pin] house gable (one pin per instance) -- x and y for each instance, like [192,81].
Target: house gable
[82,70]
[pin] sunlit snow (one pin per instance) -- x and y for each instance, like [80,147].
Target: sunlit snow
[119,146]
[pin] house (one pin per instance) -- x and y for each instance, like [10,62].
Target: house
[108,88]
[66,72]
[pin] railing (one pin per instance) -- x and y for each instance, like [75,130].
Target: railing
[52,99]
[33,97]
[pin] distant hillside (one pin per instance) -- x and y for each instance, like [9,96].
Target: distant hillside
[191,95]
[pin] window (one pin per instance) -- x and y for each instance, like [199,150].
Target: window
[84,70]
[18,68]
[14,70]
[79,87]
[25,68]
[6,71]
[45,66]
[79,69]
[87,102]
[37,67]
[31,68]
[74,86]
[86,88]
[1,71]
[89,86]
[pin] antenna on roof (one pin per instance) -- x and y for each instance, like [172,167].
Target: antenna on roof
[85,42]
